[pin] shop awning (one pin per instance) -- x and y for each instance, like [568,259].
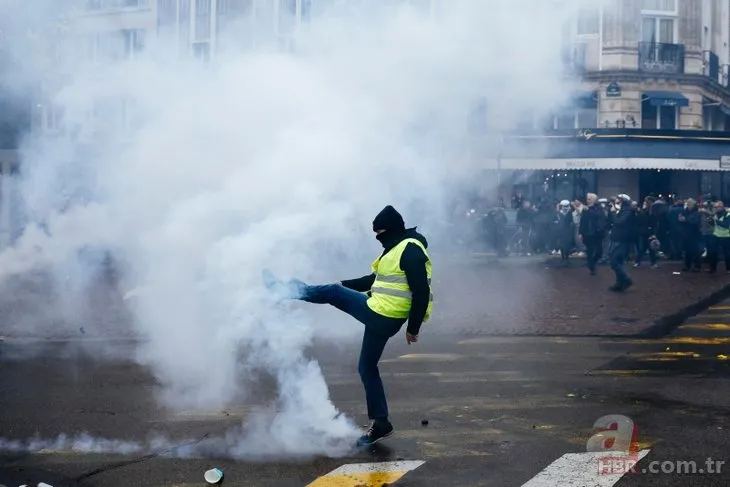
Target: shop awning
[599,164]
[666,98]
[586,99]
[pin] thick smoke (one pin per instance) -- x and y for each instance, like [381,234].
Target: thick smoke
[263,159]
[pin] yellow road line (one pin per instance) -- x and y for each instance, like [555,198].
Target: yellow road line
[719,307]
[706,326]
[366,474]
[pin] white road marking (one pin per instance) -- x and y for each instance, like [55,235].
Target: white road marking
[355,468]
[597,469]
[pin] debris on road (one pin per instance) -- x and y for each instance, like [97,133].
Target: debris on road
[424,422]
[214,475]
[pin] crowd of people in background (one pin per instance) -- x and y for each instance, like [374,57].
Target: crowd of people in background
[615,230]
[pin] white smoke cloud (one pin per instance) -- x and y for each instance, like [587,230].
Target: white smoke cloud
[266,159]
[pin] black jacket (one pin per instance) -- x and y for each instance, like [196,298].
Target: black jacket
[645,224]
[623,225]
[592,222]
[692,225]
[413,263]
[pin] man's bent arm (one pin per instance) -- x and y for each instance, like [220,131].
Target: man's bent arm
[413,263]
[361,284]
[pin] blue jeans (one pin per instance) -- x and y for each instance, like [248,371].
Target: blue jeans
[616,259]
[378,330]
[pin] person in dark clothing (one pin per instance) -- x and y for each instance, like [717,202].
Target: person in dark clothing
[707,228]
[720,240]
[621,235]
[543,226]
[398,290]
[496,222]
[645,232]
[660,210]
[690,221]
[565,231]
[591,231]
[525,221]
[675,231]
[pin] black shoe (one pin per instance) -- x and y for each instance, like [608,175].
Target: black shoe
[627,285]
[593,272]
[617,288]
[378,430]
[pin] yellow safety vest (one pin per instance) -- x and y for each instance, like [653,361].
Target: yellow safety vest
[721,232]
[390,295]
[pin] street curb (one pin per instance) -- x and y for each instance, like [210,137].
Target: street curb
[667,324]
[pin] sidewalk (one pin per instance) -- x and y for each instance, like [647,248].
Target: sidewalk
[531,295]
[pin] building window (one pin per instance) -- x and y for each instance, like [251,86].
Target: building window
[166,12]
[713,117]
[133,43]
[587,22]
[565,120]
[229,10]
[660,5]
[657,29]
[586,118]
[202,20]
[287,16]
[663,117]
[574,118]
[306,13]
[711,183]
[201,51]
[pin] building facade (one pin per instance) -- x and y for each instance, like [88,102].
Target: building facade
[655,80]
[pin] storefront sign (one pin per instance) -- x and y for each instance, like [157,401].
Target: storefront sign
[580,164]
[613,90]
[609,163]
[585,134]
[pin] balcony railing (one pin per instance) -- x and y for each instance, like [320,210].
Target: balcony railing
[711,66]
[660,57]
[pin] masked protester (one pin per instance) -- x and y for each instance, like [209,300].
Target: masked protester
[591,230]
[397,290]
[621,237]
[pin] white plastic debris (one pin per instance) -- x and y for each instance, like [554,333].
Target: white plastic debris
[213,476]
[676,273]
[43,484]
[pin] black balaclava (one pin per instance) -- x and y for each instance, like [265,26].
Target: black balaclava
[389,220]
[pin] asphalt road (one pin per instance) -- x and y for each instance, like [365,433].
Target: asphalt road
[502,411]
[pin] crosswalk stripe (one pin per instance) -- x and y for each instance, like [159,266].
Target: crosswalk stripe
[581,469]
[366,474]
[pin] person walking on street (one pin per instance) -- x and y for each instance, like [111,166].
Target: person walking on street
[397,290]
[720,240]
[621,235]
[591,231]
[645,230]
[565,231]
[690,221]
